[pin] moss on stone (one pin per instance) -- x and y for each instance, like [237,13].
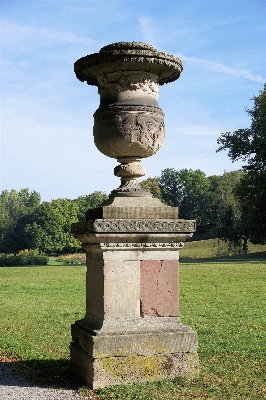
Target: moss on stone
[141,367]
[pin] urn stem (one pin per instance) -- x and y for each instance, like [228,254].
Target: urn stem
[130,171]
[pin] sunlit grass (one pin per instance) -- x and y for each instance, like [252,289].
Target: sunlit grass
[215,248]
[224,302]
[38,304]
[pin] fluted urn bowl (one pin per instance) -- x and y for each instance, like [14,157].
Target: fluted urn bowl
[129,124]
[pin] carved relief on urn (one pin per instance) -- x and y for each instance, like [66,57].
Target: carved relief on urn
[128,125]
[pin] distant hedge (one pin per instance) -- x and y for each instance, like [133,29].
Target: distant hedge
[77,258]
[24,257]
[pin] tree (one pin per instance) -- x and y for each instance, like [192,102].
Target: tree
[251,193]
[188,190]
[184,189]
[49,229]
[26,223]
[195,190]
[171,188]
[152,185]
[15,206]
[224,213]
[249,145]
[89,201]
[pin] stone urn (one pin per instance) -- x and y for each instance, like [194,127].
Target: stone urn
[129,124]
[131,331]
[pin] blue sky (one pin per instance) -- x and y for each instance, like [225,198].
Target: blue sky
[46,113]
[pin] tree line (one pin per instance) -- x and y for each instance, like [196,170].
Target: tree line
[212,201]
[230,206]
[28,223]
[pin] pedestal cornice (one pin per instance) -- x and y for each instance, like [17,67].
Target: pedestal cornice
[134,226]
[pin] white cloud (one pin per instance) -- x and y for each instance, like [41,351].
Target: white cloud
[217,67]
[147,30]
[52,148]
[15,34]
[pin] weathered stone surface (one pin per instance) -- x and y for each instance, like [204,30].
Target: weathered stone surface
[129,168]
[122,81]
[132,330]
[132,251]
[122,326]
[133,225]
[128,56]
[115,274]
[179,339]
[108,281]
[129,122]
[101,372]
[121,281]
[140,254]
[159,288]
[119,333]
[130,134]
[146,246]
[133,208]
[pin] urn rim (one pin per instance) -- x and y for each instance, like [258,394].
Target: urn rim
[134,56]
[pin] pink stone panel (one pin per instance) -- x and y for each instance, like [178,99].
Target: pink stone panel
[159,288]
[167,289]
[149,275]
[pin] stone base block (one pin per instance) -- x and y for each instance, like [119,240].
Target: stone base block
[105,360]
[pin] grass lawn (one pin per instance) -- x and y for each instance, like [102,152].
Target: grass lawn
[224,302]
[215,248]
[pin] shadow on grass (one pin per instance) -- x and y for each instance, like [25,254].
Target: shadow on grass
[44,373]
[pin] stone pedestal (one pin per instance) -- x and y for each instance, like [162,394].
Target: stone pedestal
[132,331]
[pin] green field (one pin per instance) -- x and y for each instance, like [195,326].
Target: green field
[215,248]
[224,301]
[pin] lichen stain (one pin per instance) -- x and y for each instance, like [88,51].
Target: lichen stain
[141,367]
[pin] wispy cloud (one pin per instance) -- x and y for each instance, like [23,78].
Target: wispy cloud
[148,30]
[13,34]
[217,67]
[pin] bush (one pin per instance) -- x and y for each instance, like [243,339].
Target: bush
[8,260]
[77,258]
[24,257]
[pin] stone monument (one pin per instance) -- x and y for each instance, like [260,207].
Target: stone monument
[131,331]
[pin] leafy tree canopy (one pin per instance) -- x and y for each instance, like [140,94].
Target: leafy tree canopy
[26,223]
[89,201]
[152,185]
[184,189]
[224,211]
[14,206]
[49,229]
[249,145]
